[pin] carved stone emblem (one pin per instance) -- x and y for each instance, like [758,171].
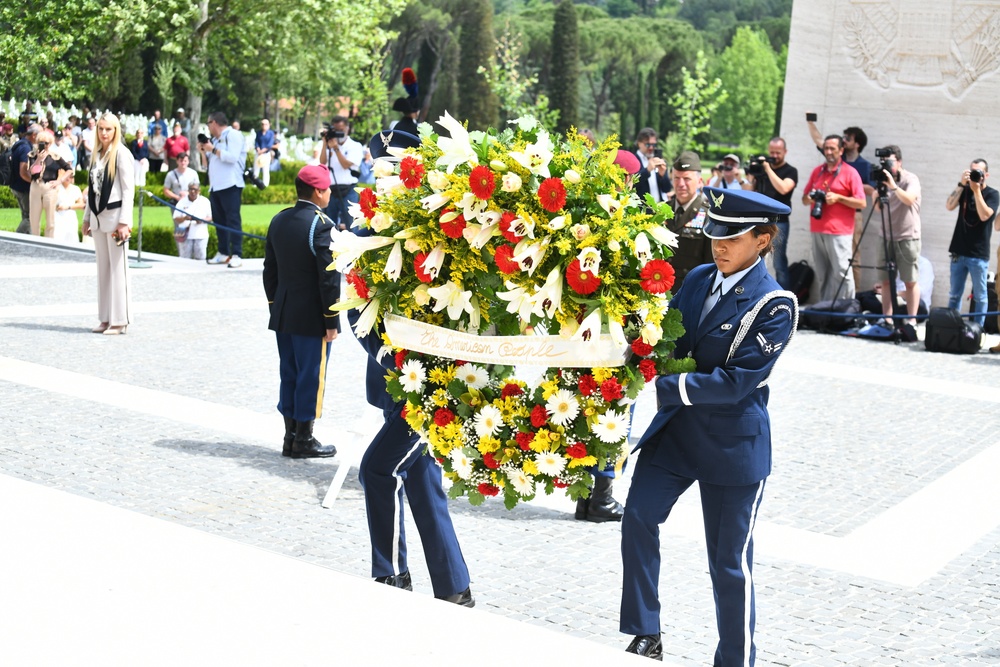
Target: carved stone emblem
[946,45]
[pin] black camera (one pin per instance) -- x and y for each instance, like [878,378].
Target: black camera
[883,152]
[658,152]
[202,139]
[977,175]
[250,176]
[819,201]
[886,163]
[755,165]
[329,133]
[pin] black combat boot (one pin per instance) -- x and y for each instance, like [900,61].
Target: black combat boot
[601,506]
[286,446]
[305,446]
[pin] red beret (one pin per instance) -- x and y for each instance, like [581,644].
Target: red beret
[627,161]
[316,176]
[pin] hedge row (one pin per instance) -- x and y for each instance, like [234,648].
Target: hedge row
[160,240]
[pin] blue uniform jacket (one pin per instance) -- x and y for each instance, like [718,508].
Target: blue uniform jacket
[712,424]
[375,377]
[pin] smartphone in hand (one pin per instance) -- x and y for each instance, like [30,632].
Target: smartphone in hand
[810,117]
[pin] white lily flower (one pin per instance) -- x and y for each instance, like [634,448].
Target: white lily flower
[557,222]
[382,168]
[590,328]
[448,216]
[407,233]
[367,319]
[483,235]
[529,255]
[617,333]
[394,264]
[381,221]
[435,259]
[453,297]
[438,180]
[434,202]
[472,206]
[614,246]
[609,203]
[523,227]
[572,176]
[590,260]
[498,165]
[346,247]
[510,182]
[475,317]
[663,236]
[650,333]
[457,149]
[518,301]
[642,250]
[490,217]
[537,156]
[548,299]
[387,185]
[354,210]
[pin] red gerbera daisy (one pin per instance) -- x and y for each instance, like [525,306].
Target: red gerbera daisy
[657,276]
[577,451]
[524,439]
[357,281]
[405,411]
[453,229]
[490,461]
[552,194]
[582,282]
[511,389]
[400,358]
[488,489]
[641,347]
[411,172]
[611,389]
[368,202]
[482,182]
[587,385]
[443,417]
[505,229]
[539,416]
[648,369]
[504,259]
[418,267]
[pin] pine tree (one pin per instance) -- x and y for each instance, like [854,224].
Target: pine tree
[476,101]
[564,90]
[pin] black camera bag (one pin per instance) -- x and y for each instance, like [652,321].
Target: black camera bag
[800,280]
[947,331]
[816,317]
[992,321]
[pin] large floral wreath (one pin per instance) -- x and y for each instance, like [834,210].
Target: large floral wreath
[481,237]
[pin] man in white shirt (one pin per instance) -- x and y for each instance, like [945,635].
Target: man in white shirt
[190,232]
[225,155]
[342,156]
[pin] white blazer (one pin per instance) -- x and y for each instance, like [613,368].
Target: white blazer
[119,202]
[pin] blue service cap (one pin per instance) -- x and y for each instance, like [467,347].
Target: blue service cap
[735,212]
[381,143]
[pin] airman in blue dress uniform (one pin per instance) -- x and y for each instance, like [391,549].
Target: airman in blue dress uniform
[300,292]
[712,426]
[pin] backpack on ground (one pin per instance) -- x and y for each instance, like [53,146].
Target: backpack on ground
[947,332]
[800,280]
[838,315]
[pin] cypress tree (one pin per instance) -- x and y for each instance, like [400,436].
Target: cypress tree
[564,87]
[476,101]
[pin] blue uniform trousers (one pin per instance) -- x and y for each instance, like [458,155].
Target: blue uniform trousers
[302,368]
[393,463]
[729,514]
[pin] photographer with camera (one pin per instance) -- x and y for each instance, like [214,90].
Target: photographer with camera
[770,175]
[833,192]
[652,177]
[977,205]
[225,155]
[342,156]
[900,231]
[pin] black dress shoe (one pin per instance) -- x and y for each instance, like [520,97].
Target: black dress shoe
[305,446]
[647,645]
[601,506]
[401,580]
[463,599]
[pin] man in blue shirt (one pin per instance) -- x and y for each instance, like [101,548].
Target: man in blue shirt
[20,179]
[264,144]
[158,120]
[226,160]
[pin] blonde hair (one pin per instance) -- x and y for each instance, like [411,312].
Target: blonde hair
[47,136]
[116,142]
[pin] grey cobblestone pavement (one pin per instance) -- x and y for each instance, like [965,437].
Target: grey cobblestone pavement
[860,428]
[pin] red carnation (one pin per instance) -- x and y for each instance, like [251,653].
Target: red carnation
[369,202]
[488,489]
[559,484]
[524,439]
[411,171]
[443,417]
[611,390]
[504,258]
[587,385]
[582,282]
[400,358]
[552,194]
[641,347]
[481,182]
[577,451]
[648,369]
[459,362]
[539,416]
[505,229]
[657,276]
[454,228]
[356,280]
[511,389]
[418,267]
[490,462]
[404,412]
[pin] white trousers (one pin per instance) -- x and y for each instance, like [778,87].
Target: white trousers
[112,280]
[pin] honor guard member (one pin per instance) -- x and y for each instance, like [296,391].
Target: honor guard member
[409,106]
[300,292]
[712,426]
[396,464]
[688,204]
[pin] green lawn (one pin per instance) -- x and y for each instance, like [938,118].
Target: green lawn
[158,216]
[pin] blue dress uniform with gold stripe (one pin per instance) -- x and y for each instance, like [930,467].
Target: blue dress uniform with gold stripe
[300,292]
[712,427]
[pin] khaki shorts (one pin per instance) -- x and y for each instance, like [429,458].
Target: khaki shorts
[907,254]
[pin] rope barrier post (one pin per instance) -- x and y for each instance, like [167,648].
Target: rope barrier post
[138,263]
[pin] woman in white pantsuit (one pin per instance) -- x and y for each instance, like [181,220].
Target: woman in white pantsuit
[108,218]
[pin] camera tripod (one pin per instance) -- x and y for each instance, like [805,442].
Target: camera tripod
[899,333]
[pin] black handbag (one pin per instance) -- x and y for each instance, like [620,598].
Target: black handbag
[947,331]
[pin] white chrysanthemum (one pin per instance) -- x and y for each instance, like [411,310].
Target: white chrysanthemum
[461,462]
[412,375]
[611,426]
[521,483]
[550,463]
[563,407]
[488,421]
[474,376]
